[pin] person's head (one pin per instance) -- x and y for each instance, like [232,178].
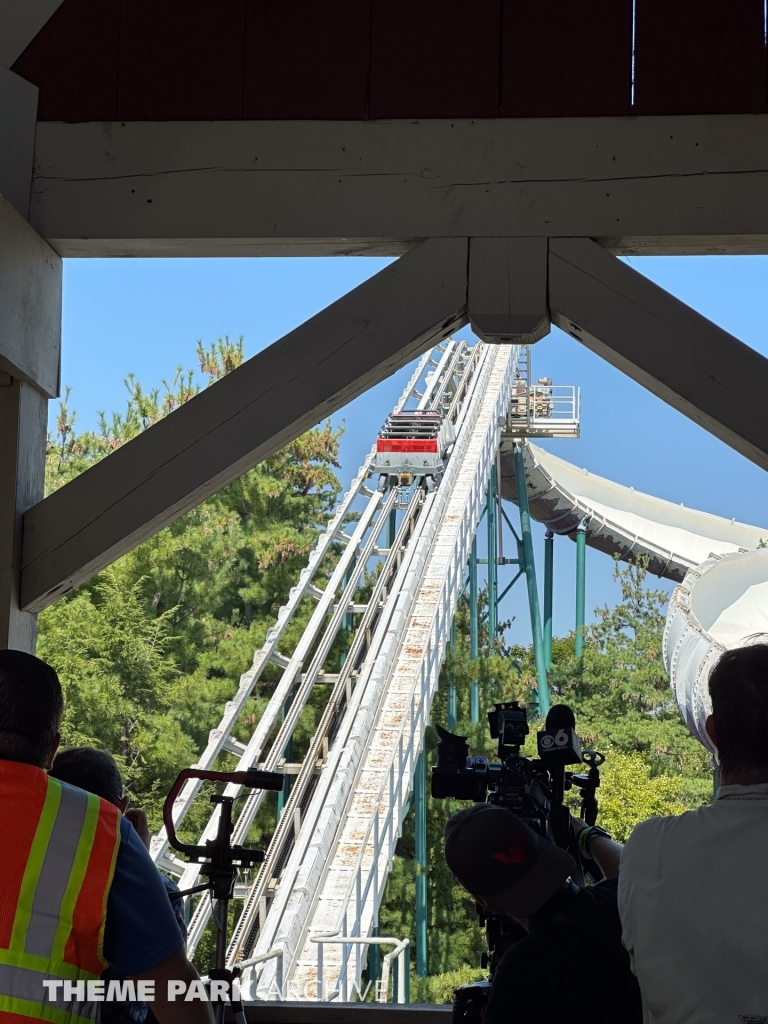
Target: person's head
[31,707]
[738,725]
[503,862]
[93,770]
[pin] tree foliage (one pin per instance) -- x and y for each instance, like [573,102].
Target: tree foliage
[151,648]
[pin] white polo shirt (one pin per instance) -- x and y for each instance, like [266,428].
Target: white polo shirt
[693,900]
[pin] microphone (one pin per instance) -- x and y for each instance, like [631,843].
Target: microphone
[560,716]
[558,739]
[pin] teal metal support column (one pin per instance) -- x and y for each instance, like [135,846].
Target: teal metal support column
[420,802]
[451,717]
[581,551]
[282,796]
[374,960]
[541,697]
[491,522]
[549,558]
[474,627]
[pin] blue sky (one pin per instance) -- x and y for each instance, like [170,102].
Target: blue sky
[145,316]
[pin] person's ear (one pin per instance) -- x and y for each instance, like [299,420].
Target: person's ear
[711,729]
[122,805]
[54,747]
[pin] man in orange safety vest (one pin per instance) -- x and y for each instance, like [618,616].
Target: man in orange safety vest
[78,891]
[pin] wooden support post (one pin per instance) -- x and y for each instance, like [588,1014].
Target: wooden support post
[673,351]
[30,330]
[23,423]
[20,21]
[507,294]
[243,418]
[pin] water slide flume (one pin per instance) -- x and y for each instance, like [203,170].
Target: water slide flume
[721,566]
[620,520]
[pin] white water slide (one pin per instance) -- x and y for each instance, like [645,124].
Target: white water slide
[722,569]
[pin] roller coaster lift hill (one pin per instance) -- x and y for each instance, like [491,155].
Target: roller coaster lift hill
[220,861]
[534,788]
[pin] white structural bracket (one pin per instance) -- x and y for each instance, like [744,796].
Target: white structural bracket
[20,22]
[507,289]
[243,418]
[673,351]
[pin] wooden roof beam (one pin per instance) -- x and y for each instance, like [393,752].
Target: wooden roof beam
[20,21]
[676,353]
[661,185]
[243,418]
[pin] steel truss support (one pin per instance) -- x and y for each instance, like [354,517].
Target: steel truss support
[549,556]
[474,630]
[451,715]
[243,418]
[581,551]
[491,516]
[541,697]
[420,807]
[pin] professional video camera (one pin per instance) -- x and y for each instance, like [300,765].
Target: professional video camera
[534,788]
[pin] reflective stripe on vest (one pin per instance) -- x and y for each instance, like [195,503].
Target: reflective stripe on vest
[58,923]
[23,993]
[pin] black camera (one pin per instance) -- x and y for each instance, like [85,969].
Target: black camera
[534,788]
[531,787]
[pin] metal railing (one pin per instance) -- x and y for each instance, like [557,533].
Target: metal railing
[399,953]
[219,737]
[377,845]
[544,410]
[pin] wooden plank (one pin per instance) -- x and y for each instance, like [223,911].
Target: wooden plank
[699,57]
[20,22]
[566,58]
[30,304]
[677,354]
[243,418]
[307,60]
[507,291]
[18,121]
[181,60]
[74,62]
[435,58]
[650,184]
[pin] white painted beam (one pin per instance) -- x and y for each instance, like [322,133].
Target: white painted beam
[18,121]
[20,21]
[30,304]
[243,418]
[648,184]
[507,291]
[23,426]
[673,351]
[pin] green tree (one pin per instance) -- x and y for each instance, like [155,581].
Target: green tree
[150,649]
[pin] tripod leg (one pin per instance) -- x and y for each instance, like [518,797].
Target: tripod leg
[237,1011]
[222,908]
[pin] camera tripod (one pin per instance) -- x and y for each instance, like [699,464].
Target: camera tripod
[220,862]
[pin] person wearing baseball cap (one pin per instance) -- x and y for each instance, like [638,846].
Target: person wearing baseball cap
[570,966]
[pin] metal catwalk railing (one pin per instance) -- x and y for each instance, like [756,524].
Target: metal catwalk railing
[333,881]
[441,375]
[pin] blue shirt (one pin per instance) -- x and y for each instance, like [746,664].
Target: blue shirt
[141,930]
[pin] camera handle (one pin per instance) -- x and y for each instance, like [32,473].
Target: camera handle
[220,863]
[589,784]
